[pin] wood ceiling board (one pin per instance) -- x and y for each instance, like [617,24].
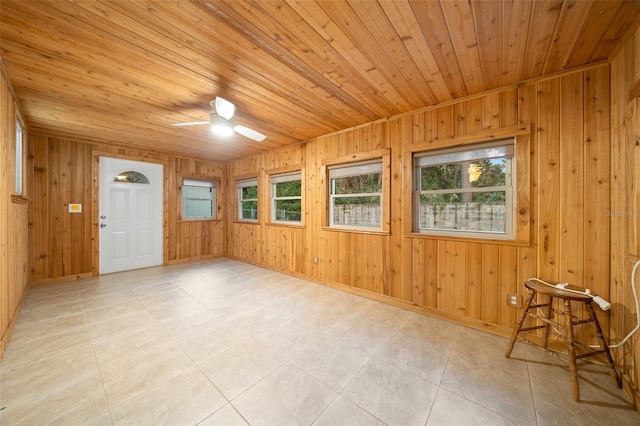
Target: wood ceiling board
[295,69]
[436,33]
[566,34]
[516,27]
[293,48]
[409,31]
[460,22]
[488,18]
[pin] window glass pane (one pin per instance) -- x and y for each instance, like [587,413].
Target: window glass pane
[286,197]
[464,211]
[291,188]
[361,184]
[198,199]
[487,173]
[288,210]
[131,176]
[198,208]
[480,174]
[357,211]
[197,192]
[466,190]
[249,210]
[250,192]
[19,158]
[444,176]
[248,199]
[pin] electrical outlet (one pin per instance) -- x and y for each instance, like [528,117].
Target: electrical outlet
[514,300]
[315,259]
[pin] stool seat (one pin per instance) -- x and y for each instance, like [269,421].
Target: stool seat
[542,313]
[539,287]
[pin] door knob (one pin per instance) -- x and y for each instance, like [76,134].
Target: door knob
[103,225]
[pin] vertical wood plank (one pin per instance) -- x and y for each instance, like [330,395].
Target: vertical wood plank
[597,176]
[473,280]
[508,284]
[490,282]
[571,202]
[549,143]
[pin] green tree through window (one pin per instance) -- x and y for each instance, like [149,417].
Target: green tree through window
[287,197]
[466,189]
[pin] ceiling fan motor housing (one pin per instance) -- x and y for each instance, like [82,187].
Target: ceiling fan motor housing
[221,126]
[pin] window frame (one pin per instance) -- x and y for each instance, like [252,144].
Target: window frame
[380,155]
[280,176]
[524,198]
[216,184]
[336,171]
[247,183]
[19,159]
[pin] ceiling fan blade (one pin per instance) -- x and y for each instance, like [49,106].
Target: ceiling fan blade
[224,108]
[190,123]
[250,133]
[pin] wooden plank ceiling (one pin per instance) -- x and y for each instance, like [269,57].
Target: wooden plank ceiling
[122,71]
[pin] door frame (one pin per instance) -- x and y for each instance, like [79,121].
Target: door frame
[95,204]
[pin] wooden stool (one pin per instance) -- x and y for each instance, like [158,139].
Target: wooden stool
[532,307]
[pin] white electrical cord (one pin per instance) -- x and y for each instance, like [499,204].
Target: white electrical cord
[635,297]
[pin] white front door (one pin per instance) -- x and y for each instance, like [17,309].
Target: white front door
[131,215]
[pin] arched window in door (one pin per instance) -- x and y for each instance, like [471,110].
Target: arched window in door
[131,176]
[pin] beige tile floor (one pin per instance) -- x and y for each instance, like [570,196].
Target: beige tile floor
[226,343]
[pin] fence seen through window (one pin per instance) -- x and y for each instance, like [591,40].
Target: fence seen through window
[286,196]
[465,191]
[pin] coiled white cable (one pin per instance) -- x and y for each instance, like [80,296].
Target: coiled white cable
[635,298]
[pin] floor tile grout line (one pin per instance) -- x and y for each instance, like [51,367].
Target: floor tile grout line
[97,363]
[533,395]
[157,385]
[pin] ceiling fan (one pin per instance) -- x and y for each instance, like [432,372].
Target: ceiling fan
[222,121]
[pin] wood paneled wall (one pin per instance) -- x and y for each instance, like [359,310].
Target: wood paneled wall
[567,175]
[64,246]
[625,208]
[13,219]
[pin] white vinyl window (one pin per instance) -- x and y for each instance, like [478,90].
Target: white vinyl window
[466,191]
[355,195]
[286,197]
[248,199]
[19,158]
[198,199]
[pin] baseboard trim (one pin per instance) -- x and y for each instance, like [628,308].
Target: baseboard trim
[6,337]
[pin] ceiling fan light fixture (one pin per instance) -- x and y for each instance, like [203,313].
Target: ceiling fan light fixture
[221,127]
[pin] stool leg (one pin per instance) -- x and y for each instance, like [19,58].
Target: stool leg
[573,368]
[518,326]
[603,344]
[547,313]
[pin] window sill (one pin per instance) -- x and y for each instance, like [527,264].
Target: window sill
[286,225]
[356,230]
[247,222]
[20,199]
[480,240]
[199,220]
